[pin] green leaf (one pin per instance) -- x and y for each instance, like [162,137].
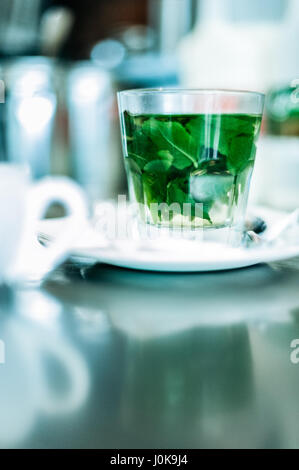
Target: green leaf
[178,192]
[209,133]
[172,137]
[135,162]
[166,156]
[127,122]
[140,146]
[150,188]
[159,166]
[242,150]
[162,164]
[154,190]
[238,125]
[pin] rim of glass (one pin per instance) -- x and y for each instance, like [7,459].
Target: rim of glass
[191,91]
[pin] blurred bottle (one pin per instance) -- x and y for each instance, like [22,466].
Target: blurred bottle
[170,32]
[282,110]
[275,181]
[283,100]
[29,113]
[222,53]
[33,27]
[19,23]
[90,105]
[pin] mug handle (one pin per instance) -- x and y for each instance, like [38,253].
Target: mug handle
[40,346]
[35,260]
[77,372]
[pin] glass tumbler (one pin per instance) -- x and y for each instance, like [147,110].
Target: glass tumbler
[189,156]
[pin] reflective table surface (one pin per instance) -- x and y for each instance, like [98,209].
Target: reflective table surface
[101,357]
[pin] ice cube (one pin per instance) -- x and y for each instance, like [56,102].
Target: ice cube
[210,187]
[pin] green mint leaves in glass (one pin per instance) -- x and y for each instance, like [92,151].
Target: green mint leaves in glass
[189,154]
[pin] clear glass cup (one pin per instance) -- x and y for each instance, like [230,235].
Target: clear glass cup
[189,156]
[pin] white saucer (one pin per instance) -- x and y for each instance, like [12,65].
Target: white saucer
[173,256]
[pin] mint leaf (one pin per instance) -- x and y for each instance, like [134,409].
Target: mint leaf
[154,191]
[151,189]
[172,137]
[178,192]
[209,133]
[135,162]
[162,164]
[226,138]
[241,152]
[157,166]
[166,156]
[238,125]
[140,146]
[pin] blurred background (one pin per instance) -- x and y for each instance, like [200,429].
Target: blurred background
[62,61]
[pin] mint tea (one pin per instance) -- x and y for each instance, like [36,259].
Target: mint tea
[205,160]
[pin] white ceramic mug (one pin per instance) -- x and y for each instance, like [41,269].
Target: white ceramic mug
[22,205]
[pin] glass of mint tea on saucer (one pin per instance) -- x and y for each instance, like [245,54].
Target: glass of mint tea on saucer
[189,157]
